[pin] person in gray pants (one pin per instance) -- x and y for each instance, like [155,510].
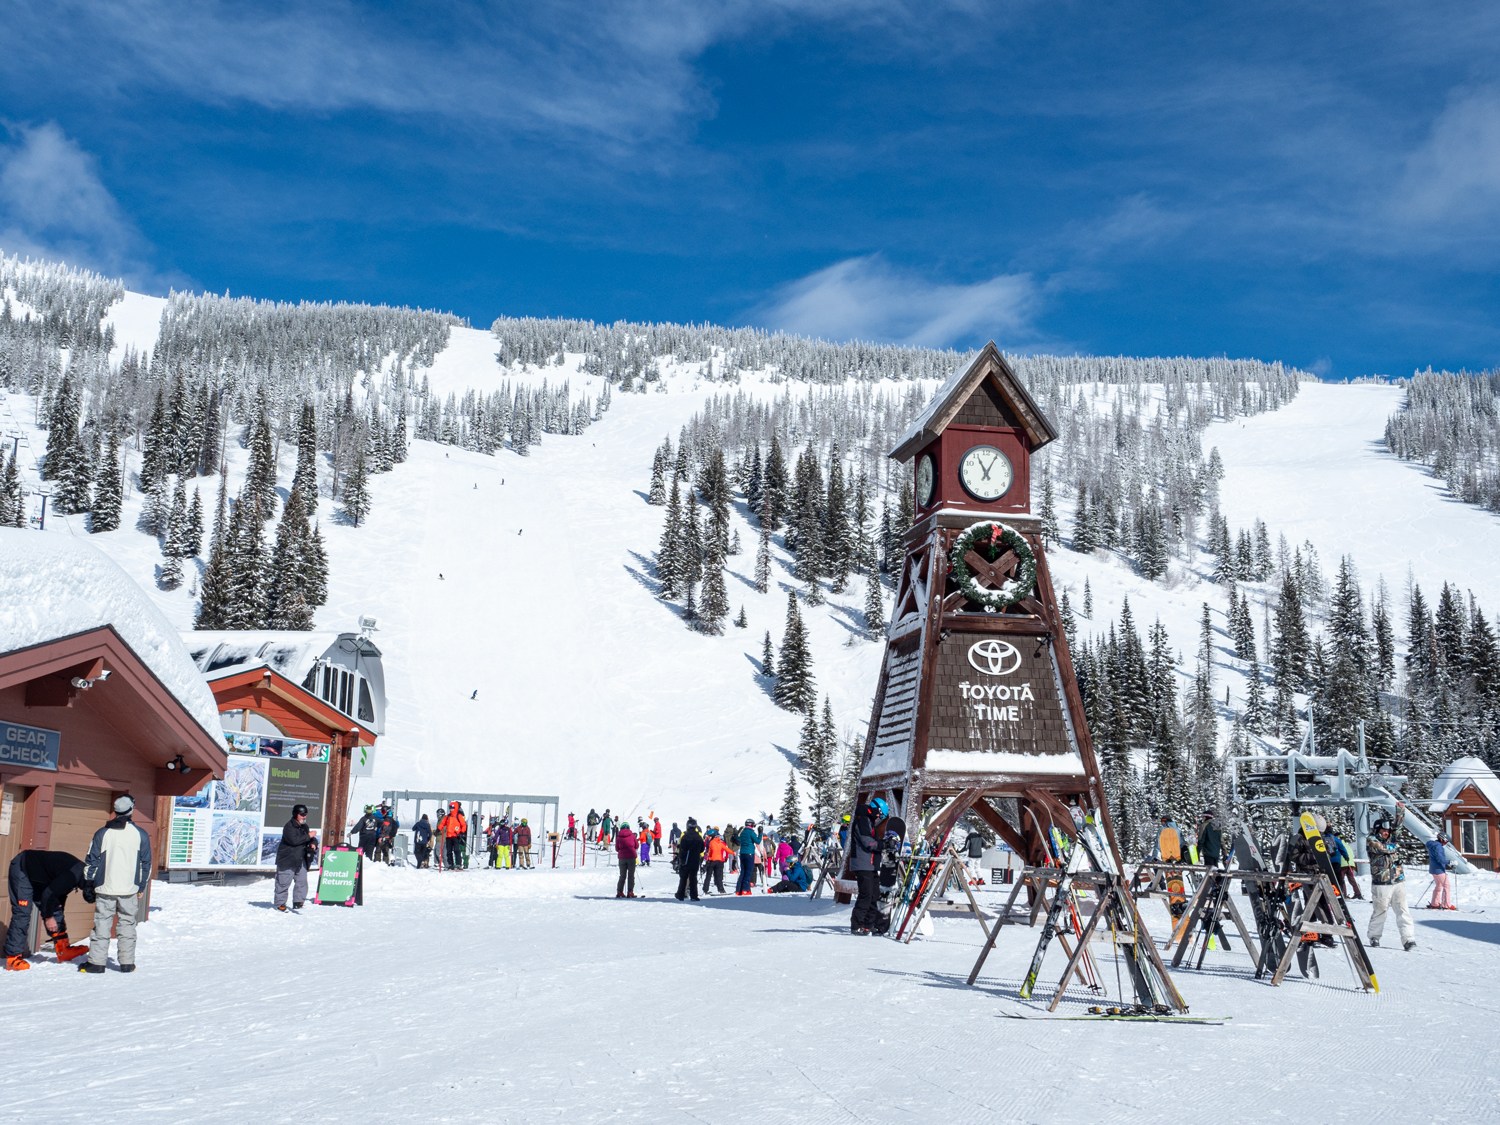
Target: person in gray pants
[116,872]
[293,855]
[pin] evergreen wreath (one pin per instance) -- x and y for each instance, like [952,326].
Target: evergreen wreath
[991,539]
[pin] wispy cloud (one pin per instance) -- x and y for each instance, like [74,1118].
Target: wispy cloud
[1454,175]
[867,299]
[53,204]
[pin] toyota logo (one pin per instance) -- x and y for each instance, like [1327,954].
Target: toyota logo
[994,658]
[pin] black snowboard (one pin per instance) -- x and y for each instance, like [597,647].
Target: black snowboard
[888,870]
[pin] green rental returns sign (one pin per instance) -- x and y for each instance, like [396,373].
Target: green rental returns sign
[339,880]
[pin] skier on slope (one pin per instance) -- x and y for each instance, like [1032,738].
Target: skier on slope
[421,837]
[626,846]
[749,838]
[591,824]
[715,853]
[643,841]
[456,827]
[504,838]
[656,835]
[864,843]
[572,833]
[1388,885]
[689,851]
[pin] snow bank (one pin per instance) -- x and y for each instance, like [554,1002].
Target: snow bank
[51,587]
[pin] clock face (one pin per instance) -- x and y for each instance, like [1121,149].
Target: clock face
[924,480]
[985,473]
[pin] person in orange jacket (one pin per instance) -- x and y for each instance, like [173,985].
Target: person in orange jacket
[456,829]
[656,835]
[715,852]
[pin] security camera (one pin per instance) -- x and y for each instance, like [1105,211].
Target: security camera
[102,676]
[81,684]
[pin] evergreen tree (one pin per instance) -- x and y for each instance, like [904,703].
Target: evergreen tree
[838,552]
[670,571]
[658,492]
[194,541]
[789,819]
[767,656]
[742,622]
[714,605]
[1088,599]
[874,606]
[287,606]
[692,543]
[305,478]
[356,491]
[763,560]
[260,475]
[794,677]
[773,497]
[109,495]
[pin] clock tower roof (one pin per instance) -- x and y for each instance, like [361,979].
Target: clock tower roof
[988,377]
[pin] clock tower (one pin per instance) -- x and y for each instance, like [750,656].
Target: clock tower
[977,701]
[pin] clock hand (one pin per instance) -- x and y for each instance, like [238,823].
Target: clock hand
[985,467]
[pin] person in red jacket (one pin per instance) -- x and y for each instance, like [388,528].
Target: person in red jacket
[626,844]
[656,835]
[521,847]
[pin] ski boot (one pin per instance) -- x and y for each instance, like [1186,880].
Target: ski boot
[17,963]
[64,951]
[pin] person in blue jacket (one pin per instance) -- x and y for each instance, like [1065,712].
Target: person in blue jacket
[749,837]
[1437,867]
[421,837]
[795,879]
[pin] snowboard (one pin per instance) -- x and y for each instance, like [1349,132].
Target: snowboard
[888,871]
[1269,924]
[1325,865]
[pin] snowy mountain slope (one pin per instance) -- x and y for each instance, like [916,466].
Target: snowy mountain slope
[1318,470]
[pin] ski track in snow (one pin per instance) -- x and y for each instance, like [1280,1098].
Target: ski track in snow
[526,996]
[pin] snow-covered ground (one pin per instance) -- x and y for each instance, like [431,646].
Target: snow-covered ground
[536,996]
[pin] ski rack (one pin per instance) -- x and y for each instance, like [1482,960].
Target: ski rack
[829,865]
[1150,881]
[953,868]
[1213,902]
[1109,890]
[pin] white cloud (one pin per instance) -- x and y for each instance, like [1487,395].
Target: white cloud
[54,205]
[1454,176]
[866,299]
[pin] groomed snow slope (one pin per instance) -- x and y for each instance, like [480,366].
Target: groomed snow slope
[536,996]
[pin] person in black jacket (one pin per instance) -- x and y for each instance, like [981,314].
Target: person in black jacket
[368,830]
[46,879]
[864,851]
[293,855]
[689,855]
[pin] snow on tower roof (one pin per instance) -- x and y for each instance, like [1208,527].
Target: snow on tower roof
[53,586]
[226,652]
[987,364]
[1460,772]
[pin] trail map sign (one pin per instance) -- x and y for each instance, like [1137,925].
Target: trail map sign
[235,824]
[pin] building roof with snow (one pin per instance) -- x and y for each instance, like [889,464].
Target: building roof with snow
[342,669]
[54,586]
[988,365]
[1460,773]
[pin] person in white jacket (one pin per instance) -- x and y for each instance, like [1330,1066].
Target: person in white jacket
[116,872]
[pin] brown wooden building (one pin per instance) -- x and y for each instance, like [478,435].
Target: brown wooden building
[247,694]
[83,720]
[1466,798]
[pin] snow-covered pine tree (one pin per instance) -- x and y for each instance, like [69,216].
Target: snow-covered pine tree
[874,606]
[658,492]
[742,622]
[670,570]
[356,490]
[10,492]
[195,525]
[763,560]
[245,604]
[155,508]
[789,818]
[108,496]
[837,545]
[305,478]
[714,605]
[1088,599]
[773,498]
[260,474]
[286,603]
[795,689]
[692,542]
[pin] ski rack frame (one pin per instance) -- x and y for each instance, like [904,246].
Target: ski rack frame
[952,862]
[1109,888]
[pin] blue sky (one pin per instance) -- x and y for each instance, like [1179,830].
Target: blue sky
[1318,184]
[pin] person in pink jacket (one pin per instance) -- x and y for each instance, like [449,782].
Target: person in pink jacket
[784,853]
[625,852]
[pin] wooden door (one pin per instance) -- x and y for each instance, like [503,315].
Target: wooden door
[77,813]
[12,831]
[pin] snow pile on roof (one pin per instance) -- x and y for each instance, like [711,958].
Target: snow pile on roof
[929,412]
[219,653]
[52,586]
[1464,771]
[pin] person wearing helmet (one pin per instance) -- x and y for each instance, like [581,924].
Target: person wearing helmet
[1388,885]
[748,838]
[1437,867]
[293,857]
[715,854]
[689,852]
[643,841]
[389,825]
[844,832]
[863,850]
[367,828]
[627,853]
[421,837]
[521,843]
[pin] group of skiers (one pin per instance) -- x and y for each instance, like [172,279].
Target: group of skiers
[376,832]
[509,844]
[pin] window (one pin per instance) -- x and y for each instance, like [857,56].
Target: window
[366,704]
[1474,837]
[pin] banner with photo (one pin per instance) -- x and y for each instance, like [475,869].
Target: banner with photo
[237,822]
